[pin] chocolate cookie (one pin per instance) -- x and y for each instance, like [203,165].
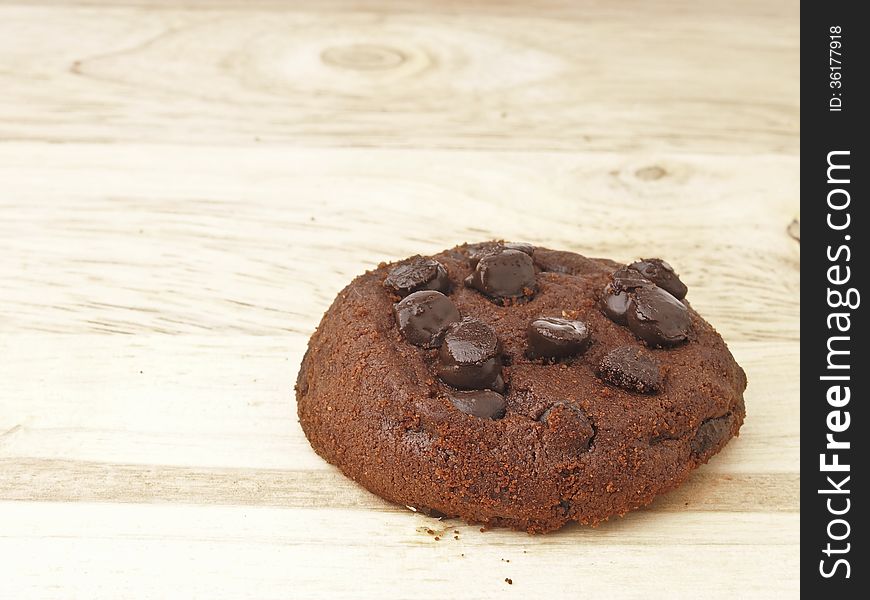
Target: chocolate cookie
[518,386]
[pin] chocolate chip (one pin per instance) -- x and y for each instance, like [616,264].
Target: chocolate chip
[617,294]
[627,280]
[657,318]
[662,274]
[423,316]
[505,274]
[652,313]
[418,274]
[482,250]
[469,356]
[631,368]
[552,337]
[479,403]
[710,434]
[521,246]
[614,304]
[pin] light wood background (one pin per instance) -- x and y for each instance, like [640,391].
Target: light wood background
[185,186]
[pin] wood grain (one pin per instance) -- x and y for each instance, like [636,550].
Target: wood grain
[565,75]
[259,240]
[230,552]
[185,186]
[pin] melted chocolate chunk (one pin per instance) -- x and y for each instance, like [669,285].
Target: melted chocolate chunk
[614,304]
[486,249]
[617,294]
[480,252]
[710,434]
[469,357]
[631,368]
[423,316]
[657,318]
[552,337]
[662,274]
[418,274]
[521,246]
[505,274]
[628,280]
[484,404]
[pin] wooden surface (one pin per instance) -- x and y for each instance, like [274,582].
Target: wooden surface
[184,187]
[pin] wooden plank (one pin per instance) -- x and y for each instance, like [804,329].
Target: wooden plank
[102,551]
[678,76]
[142,239]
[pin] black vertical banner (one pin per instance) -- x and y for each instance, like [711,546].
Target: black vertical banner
[834,361]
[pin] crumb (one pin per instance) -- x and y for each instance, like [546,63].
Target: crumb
[455,531]
[482,530]
[429,531]
[437,539]
[455,537]
[509,580]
